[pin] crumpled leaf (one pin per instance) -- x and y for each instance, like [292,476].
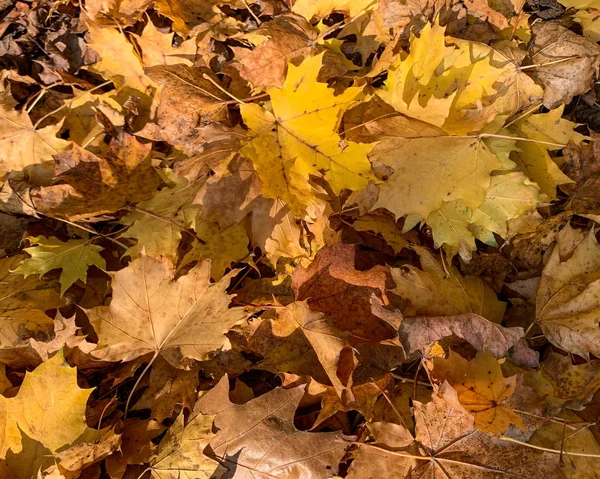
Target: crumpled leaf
[152,312]
[416,333]
[74,257]
[554,42]
[567,298]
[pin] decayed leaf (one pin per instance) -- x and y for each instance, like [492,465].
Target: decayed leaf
[180,454]
[152,312]
[49,408]
[432,293]
[480,389]
[259,438]
[416,333]
[567,298]
[73,257]
[447,445]
[299,138]
[553,42]
[92,185]
[565,384]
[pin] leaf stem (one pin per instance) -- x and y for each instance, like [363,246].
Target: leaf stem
[230,95]
[64,105]
[148,366]
[166,219]
[554,451]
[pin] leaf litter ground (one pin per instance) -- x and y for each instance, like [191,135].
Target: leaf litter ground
[299,239]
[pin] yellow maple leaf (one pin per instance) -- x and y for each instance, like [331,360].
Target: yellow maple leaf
[481,388]
[298,138]
[118,62]
[152,312]
[588,15]
[460,87]
[22,144]
[73,257]
[49,407]
[321,8]
[157,48]
[456,227]
[548,132]
[431,167]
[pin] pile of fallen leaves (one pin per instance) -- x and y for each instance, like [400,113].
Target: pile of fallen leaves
[299,239]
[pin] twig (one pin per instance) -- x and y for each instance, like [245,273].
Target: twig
[556,421]
[384,394]
[415,384]
[252,13]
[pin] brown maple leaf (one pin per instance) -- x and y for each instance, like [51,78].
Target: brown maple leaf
[88,185]
[333,285]
[258,439]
